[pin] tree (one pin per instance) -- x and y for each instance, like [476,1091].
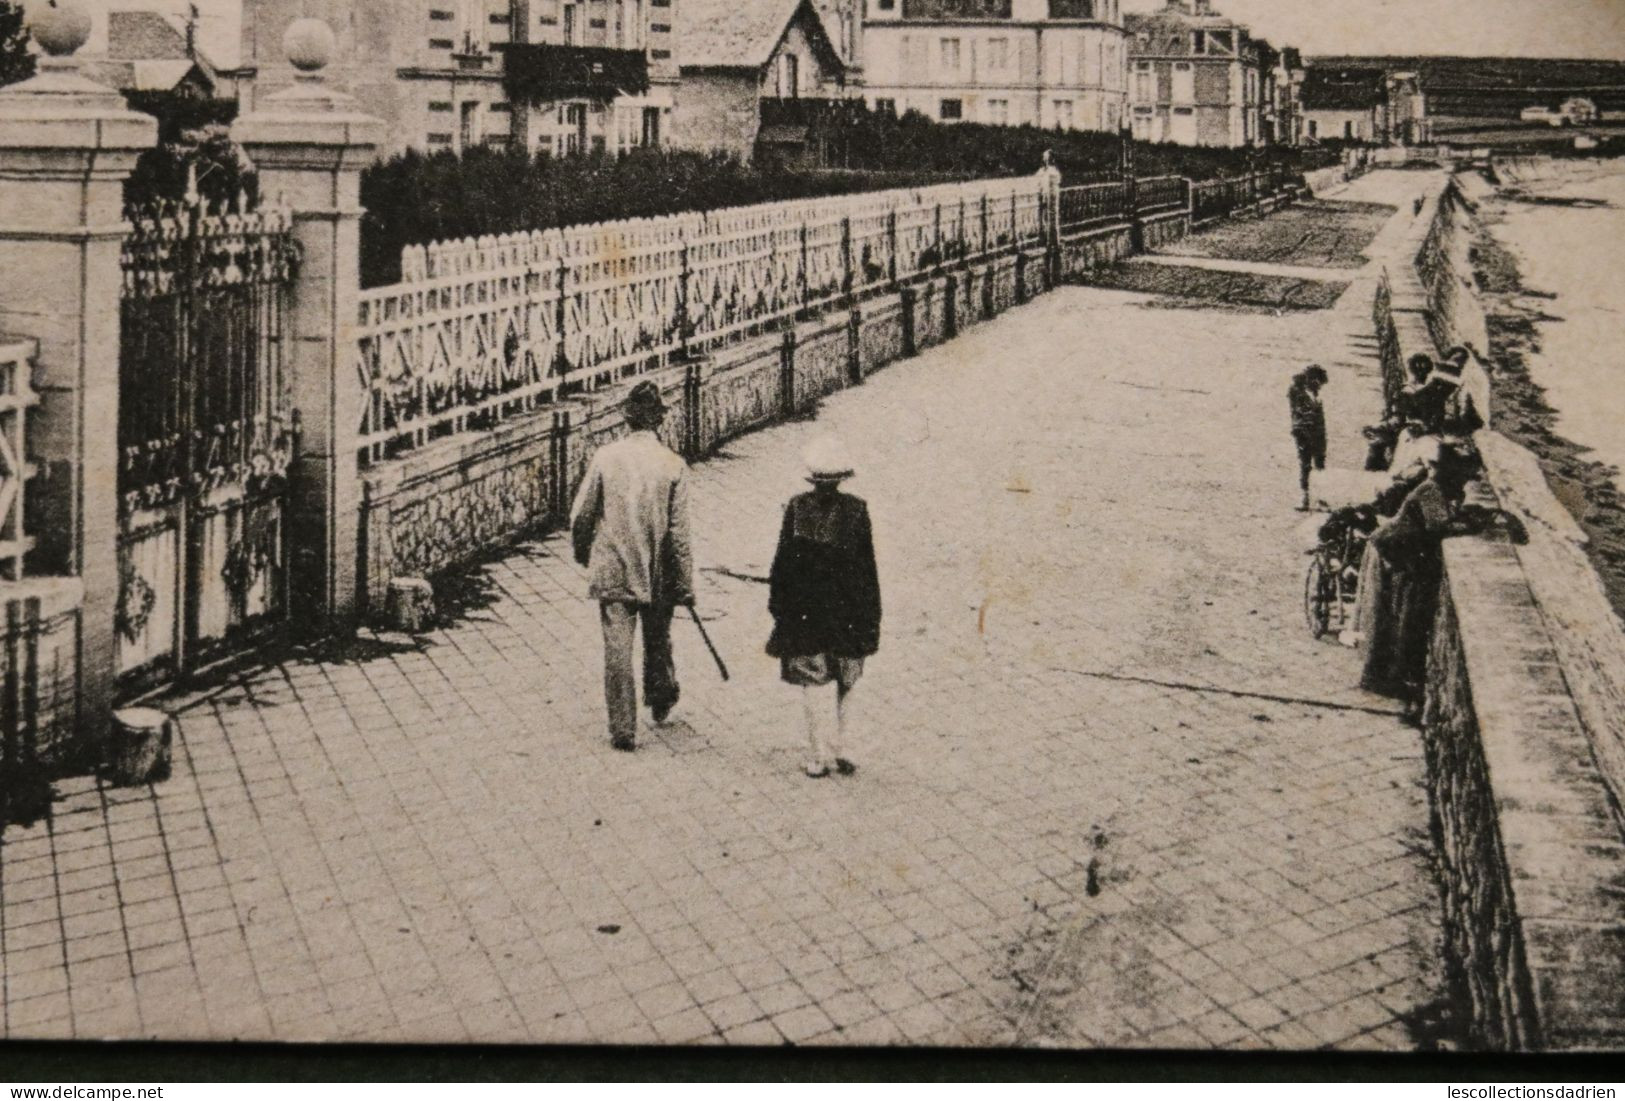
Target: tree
[16,63]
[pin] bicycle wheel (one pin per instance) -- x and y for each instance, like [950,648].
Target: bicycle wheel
[1317,600]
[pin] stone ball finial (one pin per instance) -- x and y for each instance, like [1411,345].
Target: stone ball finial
[309,45]
[59,26]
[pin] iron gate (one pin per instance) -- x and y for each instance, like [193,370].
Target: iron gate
[207,432]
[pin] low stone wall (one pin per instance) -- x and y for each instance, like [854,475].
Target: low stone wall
[1529,844]
[1085,252]
[1165,229]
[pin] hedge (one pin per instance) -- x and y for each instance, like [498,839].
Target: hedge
[416,198]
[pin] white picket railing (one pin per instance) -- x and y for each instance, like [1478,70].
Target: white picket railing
[17,397]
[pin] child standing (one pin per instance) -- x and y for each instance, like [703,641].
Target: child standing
[825,600]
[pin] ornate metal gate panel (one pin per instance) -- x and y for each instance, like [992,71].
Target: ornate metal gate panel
[207,432]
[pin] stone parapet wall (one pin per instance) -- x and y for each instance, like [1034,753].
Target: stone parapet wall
[1165,229]
[1523,718]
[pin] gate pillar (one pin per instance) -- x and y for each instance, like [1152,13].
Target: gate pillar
[66,146]
[309,144]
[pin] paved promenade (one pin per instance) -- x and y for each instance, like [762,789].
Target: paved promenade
[1110,791]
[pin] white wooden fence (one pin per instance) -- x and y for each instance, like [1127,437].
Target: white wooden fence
[483,329]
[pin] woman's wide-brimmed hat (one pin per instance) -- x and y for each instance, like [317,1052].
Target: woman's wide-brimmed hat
[827,460]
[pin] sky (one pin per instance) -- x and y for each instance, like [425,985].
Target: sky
[1522,28]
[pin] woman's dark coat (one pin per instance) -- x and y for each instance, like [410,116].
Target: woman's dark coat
[825,593]
[1407,598]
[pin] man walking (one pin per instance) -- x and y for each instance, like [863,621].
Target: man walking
[1308,425]
[630,529]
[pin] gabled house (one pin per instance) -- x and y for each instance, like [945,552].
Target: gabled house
[755,73]
[1345,105]
[1195,77]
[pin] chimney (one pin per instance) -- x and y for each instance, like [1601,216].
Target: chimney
[1204,7]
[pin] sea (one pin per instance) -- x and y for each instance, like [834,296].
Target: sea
[1574,250]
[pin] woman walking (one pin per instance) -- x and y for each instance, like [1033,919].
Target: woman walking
[825,602]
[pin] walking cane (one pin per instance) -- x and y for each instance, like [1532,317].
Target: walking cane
[721,666]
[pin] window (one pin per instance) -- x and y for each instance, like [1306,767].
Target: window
[571,30]
[998,54]
[1145,87]
[950,55]
[471,124]
[572,135]
[886,5]
[952,110]
[1348,129]
[1199,42]
[1063,114]
[998,112]
[1314,128]
[787,77]
[1184,82]
[886,106]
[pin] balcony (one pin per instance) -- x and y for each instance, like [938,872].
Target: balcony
[541,73]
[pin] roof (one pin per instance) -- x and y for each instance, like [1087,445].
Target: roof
[742,34]
[144,36]
[218,30]
[1343,89]
[1169,33]
[144,76]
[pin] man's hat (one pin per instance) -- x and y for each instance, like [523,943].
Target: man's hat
[645,399]
[1316,373]
[827,460]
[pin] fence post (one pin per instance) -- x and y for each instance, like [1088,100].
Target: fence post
[310,143]
[806,274]
[937,229]
[66,147]
[561,313]
[848,280]
[891,237]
